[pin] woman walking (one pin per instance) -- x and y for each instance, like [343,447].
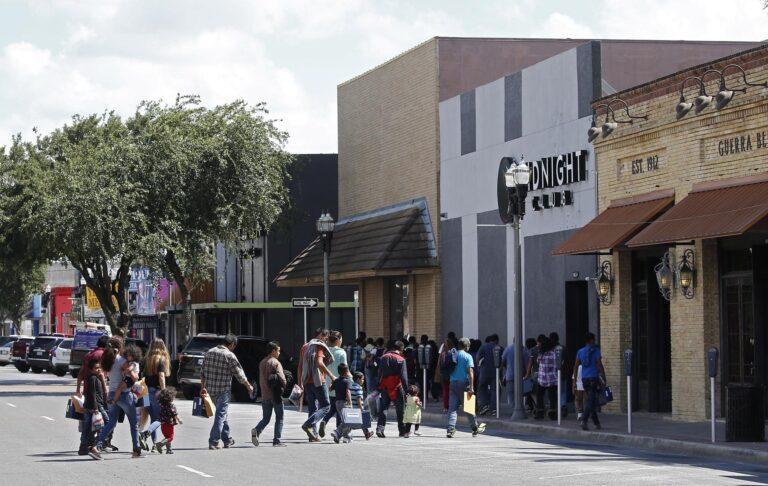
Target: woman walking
[157,367]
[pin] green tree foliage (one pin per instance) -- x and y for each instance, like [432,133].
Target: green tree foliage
[210,175]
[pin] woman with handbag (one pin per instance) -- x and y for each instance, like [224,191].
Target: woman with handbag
[272,383]
[157,367]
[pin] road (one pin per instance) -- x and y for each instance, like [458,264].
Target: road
[39,446]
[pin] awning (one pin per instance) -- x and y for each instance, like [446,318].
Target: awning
[618,223]
[395,240]
[715,209]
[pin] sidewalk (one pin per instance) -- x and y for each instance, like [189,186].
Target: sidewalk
[650,431]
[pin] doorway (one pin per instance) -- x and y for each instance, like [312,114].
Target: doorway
[576,327]
[651,338]
[398,306]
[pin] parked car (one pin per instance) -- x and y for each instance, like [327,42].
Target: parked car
[6,343]
[19,353]
[250,351]
[39,353]
[60,357]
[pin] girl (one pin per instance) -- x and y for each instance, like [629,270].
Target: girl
[412,411]
[169,417]
[94,403]
[157,366]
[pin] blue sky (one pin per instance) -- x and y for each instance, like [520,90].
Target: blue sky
[61,57]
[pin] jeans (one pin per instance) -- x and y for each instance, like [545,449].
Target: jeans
[486,392]
[456,400]
[220,428]
[317,410]
[341,429]
[127,403]
[551,394]
[86,435]
[154,409]
[331,413]
[591,386]
[371,379]
[384,402]
[266,409]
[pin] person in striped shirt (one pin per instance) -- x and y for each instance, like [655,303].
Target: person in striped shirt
[356,394]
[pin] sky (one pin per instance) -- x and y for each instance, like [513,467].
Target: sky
[64,57]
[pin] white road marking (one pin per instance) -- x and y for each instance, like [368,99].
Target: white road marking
[11,405]
[47,418]
[195,471]
[603,471]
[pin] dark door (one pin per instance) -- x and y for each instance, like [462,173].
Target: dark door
[651,339]
[576,326]
[398,306]
[739,323]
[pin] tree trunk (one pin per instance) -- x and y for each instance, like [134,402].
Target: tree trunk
[186,297]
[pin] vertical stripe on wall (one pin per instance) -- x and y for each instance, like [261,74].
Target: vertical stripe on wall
[510,266]
[492,269]
[513,106]
[588,75]
[468,122]
[451,276]
[469,274]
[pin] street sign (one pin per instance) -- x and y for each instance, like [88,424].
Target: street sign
[305,302]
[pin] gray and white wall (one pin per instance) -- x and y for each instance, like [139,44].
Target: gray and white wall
[542,111]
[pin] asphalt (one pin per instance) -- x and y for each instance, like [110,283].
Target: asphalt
[40,445]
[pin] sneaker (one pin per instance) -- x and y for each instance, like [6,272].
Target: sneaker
[213,447]
[83,451]
[417,433]
[255,437]
[321,430]
[368,435]
[598,426]
[479,430]
[310,433]
[578,416]
[159,446]
[168,449]
[584,426]
[484,410]
[143,440]
[94,453]
[406,436]
[347,440]
[229,443]
[137,454]
[335,437]
[450,433]
[277,443]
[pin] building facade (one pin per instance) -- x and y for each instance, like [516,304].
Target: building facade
[682,223]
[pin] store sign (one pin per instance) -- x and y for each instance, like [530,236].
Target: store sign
[641,164]
[742,143]
[557,171]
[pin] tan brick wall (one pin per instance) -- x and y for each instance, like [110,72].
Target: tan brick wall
[687,157]
[389,153]
[615,328]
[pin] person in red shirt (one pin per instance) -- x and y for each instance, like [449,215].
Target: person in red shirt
[393,380]
[313,376]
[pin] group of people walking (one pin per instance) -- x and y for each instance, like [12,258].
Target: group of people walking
[109,384]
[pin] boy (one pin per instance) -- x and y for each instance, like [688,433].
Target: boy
[341,386]
[356,394]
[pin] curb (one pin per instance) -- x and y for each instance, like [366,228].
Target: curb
[682,447]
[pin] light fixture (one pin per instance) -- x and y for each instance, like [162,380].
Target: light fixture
[594,131]
[724,94]
[516,179]
[686,273]
[325,224]
[684,107]
[722,98]
[665,276]
[604,283]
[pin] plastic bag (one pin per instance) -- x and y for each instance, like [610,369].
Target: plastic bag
[97,421]
[296,393]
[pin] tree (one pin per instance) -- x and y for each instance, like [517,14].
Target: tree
[76,199]
[210,175]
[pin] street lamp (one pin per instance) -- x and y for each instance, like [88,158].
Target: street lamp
[325,226]
[516,179]
[686,273]
[604,283]
[665,276]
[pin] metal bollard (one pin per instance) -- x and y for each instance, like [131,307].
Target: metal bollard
[628,371]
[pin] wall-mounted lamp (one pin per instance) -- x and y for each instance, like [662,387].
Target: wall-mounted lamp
[604,283]
[611,123]
[665,276]
[686,273]
[722,98]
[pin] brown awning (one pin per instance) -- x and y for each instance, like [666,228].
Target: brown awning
[715,209]
[619,222]
[395,240]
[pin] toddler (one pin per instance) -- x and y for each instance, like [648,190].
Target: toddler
[412,411]
[169,417]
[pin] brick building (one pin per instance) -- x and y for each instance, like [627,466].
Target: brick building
[681,193]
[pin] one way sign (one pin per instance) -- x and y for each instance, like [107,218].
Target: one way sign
[305,302]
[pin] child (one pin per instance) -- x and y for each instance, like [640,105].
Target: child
[169,417]
[578,392]
[132,354]
[356,394]
[93,404]
[342,386]
[412,411]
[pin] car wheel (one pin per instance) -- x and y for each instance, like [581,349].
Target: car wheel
[36,370]
[3,364]
[22,368]
[59,372]
[73,373]
[189,391]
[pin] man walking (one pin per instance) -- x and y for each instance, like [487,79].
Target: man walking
[272,383]
[592,370]
[219,366]
[510,365]
[486,390]
[462,380]
[315,378]
[339,358]
[393,380]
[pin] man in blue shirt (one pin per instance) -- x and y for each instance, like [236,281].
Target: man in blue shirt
[486,389]
[591,361]
[462,381]
[509,364]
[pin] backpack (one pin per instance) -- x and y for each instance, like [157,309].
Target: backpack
[448,363]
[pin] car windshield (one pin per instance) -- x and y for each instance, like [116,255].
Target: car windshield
[4,340]
[200,344]
[44,342]
[7,345]
[66,344]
